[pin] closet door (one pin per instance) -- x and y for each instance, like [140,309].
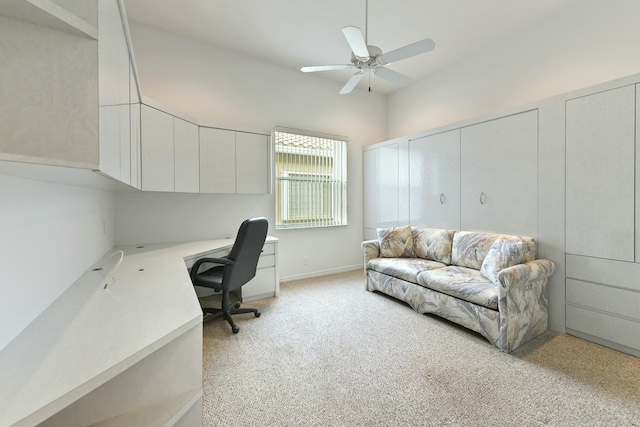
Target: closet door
[371,198]
[499,175]
[388,186]
[434,199]
[600,165]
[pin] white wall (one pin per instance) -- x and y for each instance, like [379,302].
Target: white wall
[230,89]
[51,234]
[594,42]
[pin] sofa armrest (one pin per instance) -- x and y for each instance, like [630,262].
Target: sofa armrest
[521,274]
[370,250]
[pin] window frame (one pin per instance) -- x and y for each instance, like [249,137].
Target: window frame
[328,164]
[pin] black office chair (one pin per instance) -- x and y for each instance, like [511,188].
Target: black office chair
[234,270]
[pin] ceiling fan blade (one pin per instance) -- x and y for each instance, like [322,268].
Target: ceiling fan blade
[407,51]
[356,41]
[392,76]
[315,68]
[353,81]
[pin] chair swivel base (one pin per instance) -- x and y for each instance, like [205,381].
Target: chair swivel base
[216,313]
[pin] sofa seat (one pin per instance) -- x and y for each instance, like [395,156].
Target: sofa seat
[461,282]
[403,268]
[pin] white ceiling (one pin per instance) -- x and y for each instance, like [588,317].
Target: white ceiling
[296,33]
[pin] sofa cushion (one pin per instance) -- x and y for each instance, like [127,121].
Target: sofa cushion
[396,242]
[433,243]
[403,268]
[462,282]
[503,253]
[470,248]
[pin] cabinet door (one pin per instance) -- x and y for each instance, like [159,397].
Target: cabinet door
[187,151]
[388,186]
[217,160]
[136,177]
[600,146]
[114,93]
[252,163]
[109,134]
[435,180]
[499,175]
[157,150]
[371,200]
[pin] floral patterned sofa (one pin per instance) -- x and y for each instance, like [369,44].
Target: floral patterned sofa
[490,283]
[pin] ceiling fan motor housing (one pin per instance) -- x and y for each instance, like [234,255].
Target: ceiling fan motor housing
[367,62]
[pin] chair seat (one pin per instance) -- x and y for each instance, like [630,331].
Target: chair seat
[211,278]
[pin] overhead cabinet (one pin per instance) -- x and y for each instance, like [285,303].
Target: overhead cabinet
[169,152]
[117,95]
[49,69]
[233,162]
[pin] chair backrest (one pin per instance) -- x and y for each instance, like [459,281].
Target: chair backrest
[245,252]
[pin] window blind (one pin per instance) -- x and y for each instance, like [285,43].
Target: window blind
[311,179]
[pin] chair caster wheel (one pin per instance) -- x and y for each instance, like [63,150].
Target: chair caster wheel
[257,313]
[237,305]
[235,329]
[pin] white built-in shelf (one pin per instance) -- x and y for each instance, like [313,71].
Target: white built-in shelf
[46,13]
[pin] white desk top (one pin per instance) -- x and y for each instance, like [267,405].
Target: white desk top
[91,334]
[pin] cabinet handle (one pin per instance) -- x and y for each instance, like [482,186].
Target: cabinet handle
[483,198]
[442,198]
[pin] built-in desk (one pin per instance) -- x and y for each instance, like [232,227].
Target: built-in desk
[130,354]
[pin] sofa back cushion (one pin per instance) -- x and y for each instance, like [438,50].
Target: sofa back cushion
[396,242]
[503,253]
[433,244]
[470,248]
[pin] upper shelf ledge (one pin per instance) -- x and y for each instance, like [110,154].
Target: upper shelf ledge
[46,13]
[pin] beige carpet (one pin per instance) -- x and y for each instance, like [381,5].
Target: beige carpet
[328,353]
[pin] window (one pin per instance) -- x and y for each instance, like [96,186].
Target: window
[311,179]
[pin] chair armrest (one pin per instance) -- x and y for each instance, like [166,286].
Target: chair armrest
[521,274]
[198,263]
[370,250]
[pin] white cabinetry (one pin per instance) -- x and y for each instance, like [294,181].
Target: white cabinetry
[602,292]
[600,192]
[186,147]
[499,175]
[386,185]
[434,183]
[169,152]
[158,170]
[252,163]
[217,160]
[114,90]
[48,70]
[233,161]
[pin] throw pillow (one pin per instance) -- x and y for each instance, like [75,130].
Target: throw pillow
[396,242]
[433,244]
[502,254]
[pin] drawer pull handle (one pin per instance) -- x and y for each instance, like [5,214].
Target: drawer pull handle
[442,198]
[483,198]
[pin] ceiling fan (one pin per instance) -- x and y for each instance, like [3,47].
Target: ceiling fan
[367,58]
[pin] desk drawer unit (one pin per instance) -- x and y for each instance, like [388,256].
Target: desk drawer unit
[603,303]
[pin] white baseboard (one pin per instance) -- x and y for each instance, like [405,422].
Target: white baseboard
[321,273]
